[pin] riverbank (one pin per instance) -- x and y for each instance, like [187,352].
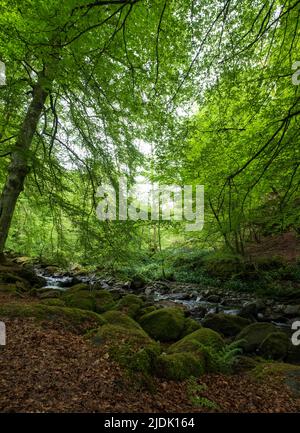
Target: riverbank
[90,344]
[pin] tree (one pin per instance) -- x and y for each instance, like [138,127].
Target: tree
[98,63]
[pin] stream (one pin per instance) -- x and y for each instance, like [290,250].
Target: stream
[198,301]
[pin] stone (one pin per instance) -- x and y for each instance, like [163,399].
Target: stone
[274,346]
[226,324]
[165,324]
[253,335]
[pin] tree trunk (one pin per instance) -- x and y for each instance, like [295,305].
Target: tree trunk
[18,167]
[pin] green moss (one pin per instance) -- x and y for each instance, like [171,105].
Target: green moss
[185,346]
[129,346]
[81,299]
[119,318]
[190,325]
[7,277]
[54,302]
[104,301]
[145,310]
[207,337]
[274,346]
[265,369]
[8,281]
[115,334]
[79,288]
[165,324]
[73,317]
[223,266]
[179,366]
[45,293]
[130,304]
[253,335]
[8,288]
[225,324]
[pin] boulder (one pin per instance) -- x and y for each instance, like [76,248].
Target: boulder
[274,346]
[180,366]
[165,324]
[205,336]
[72,318]
[252,308]
[130,304]
[292,311]
[130,346]
[56,302]
[79,287]
[29,274]
[137,282]
[45,293]
[225,324]
[104,301]
[98,301]
[81,299]
[190,325]
[253,335]
[213,299]
[118,318]
[15,279]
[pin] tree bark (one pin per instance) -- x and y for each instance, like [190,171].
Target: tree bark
[18,167]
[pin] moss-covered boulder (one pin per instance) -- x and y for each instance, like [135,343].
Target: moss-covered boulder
[184,345]
[130,346]
[79,288]
[274,346]
[253,335]
[97,300]
[56,302]
[72,318]
[46,293]
[204,336]
[118,318]
[145,310]
[24,276]
[7,278]
[288,374]
[190,325]
[81,299]
[104,301]
[130,304]
[29,274]
[225,324]
[180,366]
[165,324]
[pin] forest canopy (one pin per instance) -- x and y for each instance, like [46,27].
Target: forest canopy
[174,92]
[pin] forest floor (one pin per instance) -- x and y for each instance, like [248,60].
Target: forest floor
[46,368]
